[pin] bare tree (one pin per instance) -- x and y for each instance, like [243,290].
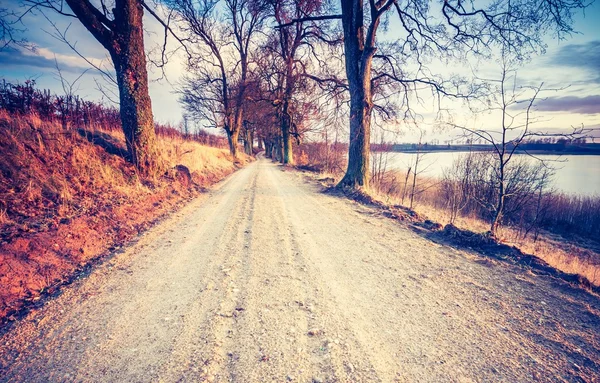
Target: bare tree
[294,45]
[272,82]
[121,33]
[225,32]
[380,160]
[11,29]
[405,185]
[457,184]
[418,169]
[448,30]
[259,109]
[248,130]
[69,102]
[515,129]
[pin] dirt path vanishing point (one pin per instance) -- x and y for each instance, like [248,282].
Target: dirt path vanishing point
[267,280]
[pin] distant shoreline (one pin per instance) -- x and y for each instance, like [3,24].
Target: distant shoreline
[578,153]
[528,148]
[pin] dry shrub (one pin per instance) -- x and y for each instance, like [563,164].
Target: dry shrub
[4,216]
[562,230]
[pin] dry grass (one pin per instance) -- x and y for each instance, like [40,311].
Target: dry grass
[201,159]
[196,157]
[65,200]
[561,254]
[3,217]
[565,256]
[557,252]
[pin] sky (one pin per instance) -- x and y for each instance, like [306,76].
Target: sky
[571,66]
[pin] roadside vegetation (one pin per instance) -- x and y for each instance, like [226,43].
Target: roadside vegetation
[68,195]
[561,229]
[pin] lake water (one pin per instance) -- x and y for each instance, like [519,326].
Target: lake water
[574,174]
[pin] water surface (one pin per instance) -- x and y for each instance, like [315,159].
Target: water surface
[574,174]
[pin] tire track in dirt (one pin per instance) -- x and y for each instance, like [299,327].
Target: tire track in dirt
[264,324]
[198,349]
[335,348]
[276,319]
[231,305]
[344,347]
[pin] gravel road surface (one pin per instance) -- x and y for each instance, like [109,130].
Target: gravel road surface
[266,279]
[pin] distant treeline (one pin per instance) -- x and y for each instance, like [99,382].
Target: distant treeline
[545,145]
[73,112]
[24,98]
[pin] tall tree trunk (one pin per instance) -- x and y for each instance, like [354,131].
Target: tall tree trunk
[235,126]
[232,139]
[497,217]
[132,77]
[124,40]
[357,173]
[414,181]
[500,206]
[358,71]
[278,149]
[405,185]
[286,119]
[287,153]
[248,142]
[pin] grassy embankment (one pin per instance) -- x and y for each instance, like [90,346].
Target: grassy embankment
[68,197]
[564,236]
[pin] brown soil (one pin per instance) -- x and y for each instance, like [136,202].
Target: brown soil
[66,201]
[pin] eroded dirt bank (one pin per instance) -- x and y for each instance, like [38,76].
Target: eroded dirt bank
[266,279]
[69,198]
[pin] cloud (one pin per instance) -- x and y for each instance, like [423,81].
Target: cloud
[43,58]
[15,58]
[584,56]
[582,105]
[72,61]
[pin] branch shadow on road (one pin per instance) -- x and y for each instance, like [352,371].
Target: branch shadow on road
[480,243]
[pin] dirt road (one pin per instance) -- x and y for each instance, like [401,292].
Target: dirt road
[266,279]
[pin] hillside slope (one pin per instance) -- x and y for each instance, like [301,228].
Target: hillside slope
[68,197]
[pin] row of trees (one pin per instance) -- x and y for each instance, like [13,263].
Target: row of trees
[256,64]
[251,71]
